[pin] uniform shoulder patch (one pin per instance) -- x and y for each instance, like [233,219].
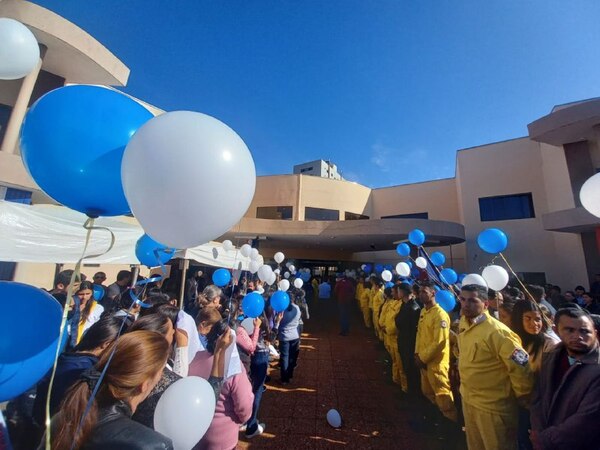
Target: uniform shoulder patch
[520,356]
[444,324]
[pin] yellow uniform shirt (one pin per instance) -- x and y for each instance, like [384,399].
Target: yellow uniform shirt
[365,297]
[359,290]
[493,367]
[390,317]
[433,336]
[376,302]
[383,313]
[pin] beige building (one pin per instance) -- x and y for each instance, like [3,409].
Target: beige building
[527,186]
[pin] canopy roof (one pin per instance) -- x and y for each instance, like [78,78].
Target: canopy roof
[55,234]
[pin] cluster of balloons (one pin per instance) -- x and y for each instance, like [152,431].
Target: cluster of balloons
[130,161]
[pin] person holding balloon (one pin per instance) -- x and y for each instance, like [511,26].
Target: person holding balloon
[286,328]
[89,309]
[432,352]
[133,367]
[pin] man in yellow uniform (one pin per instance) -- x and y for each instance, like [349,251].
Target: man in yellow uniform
[365,300]
[376,303]
[391,337]
[432,352]
[494,373]
[360,287]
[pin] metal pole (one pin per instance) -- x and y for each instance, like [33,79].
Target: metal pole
[185,266]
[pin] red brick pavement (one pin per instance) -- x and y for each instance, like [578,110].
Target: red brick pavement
[348,373]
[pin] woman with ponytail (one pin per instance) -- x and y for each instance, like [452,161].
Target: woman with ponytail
[135,368]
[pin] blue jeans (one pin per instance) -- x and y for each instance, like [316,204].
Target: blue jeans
[288,356]
[258,374]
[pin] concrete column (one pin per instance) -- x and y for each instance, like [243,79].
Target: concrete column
[11,136]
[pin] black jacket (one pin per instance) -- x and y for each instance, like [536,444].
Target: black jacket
[115,430]
[407,321]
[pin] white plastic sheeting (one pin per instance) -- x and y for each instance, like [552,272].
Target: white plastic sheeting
[55,234]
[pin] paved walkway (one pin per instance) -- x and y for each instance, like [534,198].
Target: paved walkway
[349,374]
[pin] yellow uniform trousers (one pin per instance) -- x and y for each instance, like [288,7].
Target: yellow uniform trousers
[391,344]
[490,431]
[435,385]
[365,298]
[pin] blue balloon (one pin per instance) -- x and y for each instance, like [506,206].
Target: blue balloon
[253,304]
[461,277]
[388,267]
[389,284]
[446,300]
[379,268]
[492,240]
[280,301]
[410,264]
[72,143]
[28,346]
[448,276]
[438,258]
[407,281]
[305,276]
[403,249]
[416,237]
[98,292]
[415,272]
[368,268]
[151,253]
[221,277]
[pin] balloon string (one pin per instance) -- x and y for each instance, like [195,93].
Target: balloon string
[89,226]
[515,275]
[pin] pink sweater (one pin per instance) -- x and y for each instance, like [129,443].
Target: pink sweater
[234,406]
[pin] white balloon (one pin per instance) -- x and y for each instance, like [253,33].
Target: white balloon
[286,275]
[334,419]
[245,250]
[363,267]
[277,271]
[264,272]
[253,266]
[185,152]
[386,275]
[254,254]
[298,283]
[19,50]
[403,269]
[496,277]
[288,264]
[474,278]
[272,279]
[284,285]
[292,268]
[227,245]
[279,257]
[421,262]
[590,195]
[184,411]
[248,325]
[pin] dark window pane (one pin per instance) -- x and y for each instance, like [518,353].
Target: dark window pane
[422,215]
[506,207]
[352,216]
[306,169]
[4,116]
[274,212]
[18,196]
[7,270]
[321,214]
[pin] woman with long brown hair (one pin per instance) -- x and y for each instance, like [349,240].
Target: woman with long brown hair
[89,309]
[135,367]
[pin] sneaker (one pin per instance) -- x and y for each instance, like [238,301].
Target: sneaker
[259,430]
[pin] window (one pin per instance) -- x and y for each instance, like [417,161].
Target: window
[321,214]
[274,212]
[306,169]
[422,215]
[17,196]
[4,117]
[538,278]
[506,207]
[352,216]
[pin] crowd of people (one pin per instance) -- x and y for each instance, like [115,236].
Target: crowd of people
[517,369]
[158,344]
[513,369]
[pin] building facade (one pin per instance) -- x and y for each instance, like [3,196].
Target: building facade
[527,186]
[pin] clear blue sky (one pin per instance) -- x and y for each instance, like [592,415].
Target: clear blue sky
[388,90]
